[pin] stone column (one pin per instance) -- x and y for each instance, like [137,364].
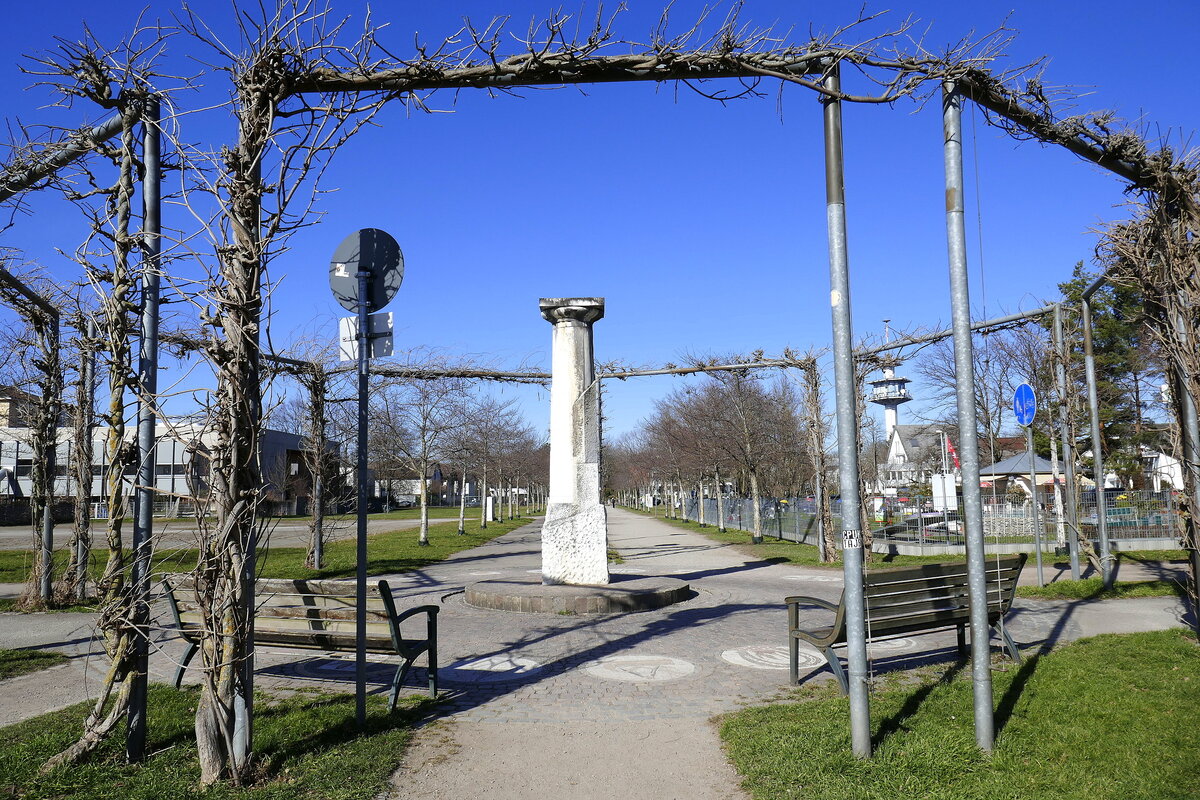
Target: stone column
[575,530]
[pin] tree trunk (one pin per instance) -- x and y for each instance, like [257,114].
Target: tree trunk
[756,536]
[462,504]
[423,539]
[720,499]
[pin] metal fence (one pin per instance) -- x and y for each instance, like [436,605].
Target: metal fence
[908,524]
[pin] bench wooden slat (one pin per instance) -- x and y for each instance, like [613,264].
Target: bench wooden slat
[923,598]
[316,615]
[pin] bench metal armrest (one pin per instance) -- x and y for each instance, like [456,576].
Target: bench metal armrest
[801,600]
[169,591]
[395,618]
[793,606]
[403,615]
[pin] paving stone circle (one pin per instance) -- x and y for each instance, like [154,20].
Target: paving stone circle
[758,657]
[634,668]
[490,669]
[891,645]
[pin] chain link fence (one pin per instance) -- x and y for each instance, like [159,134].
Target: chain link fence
[1136,520]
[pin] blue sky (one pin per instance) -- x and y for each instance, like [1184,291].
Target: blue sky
[703,226]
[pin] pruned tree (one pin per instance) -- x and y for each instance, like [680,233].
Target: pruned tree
[413,424]
[43,319]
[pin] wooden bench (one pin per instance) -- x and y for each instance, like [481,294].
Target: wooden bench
[316,615]
[907,600]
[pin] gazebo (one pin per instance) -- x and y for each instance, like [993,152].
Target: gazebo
[1014,471]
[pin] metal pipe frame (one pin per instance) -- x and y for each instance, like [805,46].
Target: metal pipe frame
[1068,446]
[1189,428]
[985,326]
[135,740]
[1089,365]
[56,157]
[846,394]
[960,300]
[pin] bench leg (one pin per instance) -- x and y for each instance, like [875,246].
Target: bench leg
[962,640]
[183,664]
[835,664]
[1009,644]
[794,660]
[397,681]
[433,672]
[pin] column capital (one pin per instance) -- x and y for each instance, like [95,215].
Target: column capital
[580,309]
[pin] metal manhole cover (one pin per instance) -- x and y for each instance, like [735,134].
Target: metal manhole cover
[891,645]
[639,668]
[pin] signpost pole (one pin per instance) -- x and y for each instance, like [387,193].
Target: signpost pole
[1037,519]
[360,596]
[365,272]
[1025,409]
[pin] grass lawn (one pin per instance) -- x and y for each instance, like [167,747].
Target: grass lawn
[308,745]
[395,551]
[1093,589]
[1111,717]
[806,555]
[19,662]
[785,552]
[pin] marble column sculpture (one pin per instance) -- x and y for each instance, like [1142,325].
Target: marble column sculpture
[575,530]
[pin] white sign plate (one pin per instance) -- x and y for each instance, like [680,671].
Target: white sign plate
[852,540]
[380,326]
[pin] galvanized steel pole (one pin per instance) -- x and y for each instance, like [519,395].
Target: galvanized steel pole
[1068,446]
[846,392]
[1190,430]
[1037,518]
[960,302]
[147,386]
[360,589]
[1089,363]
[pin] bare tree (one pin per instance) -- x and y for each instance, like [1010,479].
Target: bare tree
[414,423]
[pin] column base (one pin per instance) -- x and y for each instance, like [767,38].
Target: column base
[575,545]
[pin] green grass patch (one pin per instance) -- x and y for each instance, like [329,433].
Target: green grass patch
[1151,555]
[1093,589]
[13,604]
[308,747]
[388,552]
[1106,718]
[778,551]
[19,662]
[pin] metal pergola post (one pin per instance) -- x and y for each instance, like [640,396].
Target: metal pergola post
[1068,446]
[1089,363]
[1189,428]
[847,423]
[147,387]
[960,300]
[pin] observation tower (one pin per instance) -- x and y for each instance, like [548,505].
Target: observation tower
[890,391]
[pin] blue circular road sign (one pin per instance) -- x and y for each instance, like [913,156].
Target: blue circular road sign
[1024,405]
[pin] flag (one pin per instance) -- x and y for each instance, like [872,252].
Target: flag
[954,455]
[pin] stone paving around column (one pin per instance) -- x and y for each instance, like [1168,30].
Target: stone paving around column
[537,692]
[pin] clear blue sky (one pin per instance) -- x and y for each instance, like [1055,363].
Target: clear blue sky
[703,226]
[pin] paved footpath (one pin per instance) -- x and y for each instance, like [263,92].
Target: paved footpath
[544,705]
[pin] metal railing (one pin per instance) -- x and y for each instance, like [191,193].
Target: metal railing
[910,524]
